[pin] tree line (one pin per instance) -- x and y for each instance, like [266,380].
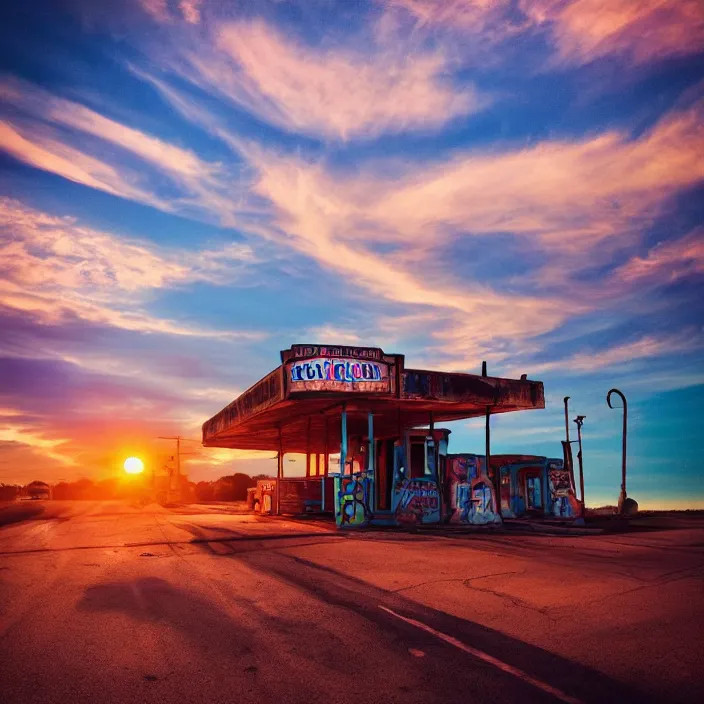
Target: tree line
[232,487]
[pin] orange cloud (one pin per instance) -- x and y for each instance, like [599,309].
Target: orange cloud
[579,203]
[53,267]
[568,198]
[646,347]
[581,30]
[643,30]
[47,154]
[206,191]
[158,10]
[190,9]
[666,262]
[336,93]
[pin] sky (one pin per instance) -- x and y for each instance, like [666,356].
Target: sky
[188,187]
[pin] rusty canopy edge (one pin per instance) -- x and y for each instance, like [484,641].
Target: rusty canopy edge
[314,376]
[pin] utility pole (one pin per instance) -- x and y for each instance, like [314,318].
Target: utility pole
[177,457]
[177,438]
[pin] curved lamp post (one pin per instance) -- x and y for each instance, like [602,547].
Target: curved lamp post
[622,496]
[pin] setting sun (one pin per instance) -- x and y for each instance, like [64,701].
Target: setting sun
[133,465]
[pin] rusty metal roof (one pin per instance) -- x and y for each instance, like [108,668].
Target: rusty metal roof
[303,399]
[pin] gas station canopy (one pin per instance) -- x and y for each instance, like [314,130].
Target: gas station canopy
[295,406]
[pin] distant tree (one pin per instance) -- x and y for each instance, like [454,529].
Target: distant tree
[223,489]
[204,491]
[106,489]
[9,492]
[188,490]
[85,489]
[63,491]
[233,487]
[38,490]
[263,476]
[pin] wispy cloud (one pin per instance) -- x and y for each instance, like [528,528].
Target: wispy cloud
[197,188]
[45,152]
[53,267]
[330,92]
[628,353]
[580,31]
[190,9]
[640,30]
[578,203]
[666,262]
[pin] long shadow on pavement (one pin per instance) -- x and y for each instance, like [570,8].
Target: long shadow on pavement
[338,589]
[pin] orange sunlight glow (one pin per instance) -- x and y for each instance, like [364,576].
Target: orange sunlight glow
[133,465]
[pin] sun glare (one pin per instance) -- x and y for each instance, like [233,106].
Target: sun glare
[133,465]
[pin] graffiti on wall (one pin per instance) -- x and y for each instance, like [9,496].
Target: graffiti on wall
[417,501]
[352,501]
[338,374]
[562,494]
[335,370]
[471,497]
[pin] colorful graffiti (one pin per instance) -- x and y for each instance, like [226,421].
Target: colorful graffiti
[562,494]
[417,501]
[470,493]
[352,501]
[335,370]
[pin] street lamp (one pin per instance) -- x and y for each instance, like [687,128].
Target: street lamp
[622,495]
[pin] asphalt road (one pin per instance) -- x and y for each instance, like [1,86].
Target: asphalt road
[103,602]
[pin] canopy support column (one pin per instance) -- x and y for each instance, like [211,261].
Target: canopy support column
[343,439]
[279,472]
[497,476]
[325,465]
[370,459]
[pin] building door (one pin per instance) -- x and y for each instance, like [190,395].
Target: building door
[534,497]
[384,473]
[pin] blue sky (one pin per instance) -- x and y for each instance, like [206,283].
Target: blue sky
[190,186]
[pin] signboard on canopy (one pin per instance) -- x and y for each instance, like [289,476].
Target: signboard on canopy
[345,374]
[308,351]
[340,368]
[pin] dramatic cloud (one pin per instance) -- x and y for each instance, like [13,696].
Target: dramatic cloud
[197,188]
[579,30]
[408,180]
[191,10]
[628,353]
[44,152]
[52,267]
[667,261]
[333,92]
[642,30]
[577,203]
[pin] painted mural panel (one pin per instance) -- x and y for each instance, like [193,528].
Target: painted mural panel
[416,501]
[352,500]
[470,494]
[563,497]
[537,486]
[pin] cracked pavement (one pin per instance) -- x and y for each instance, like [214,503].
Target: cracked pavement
[102,601]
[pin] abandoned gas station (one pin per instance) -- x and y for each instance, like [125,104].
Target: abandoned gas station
[368,428]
